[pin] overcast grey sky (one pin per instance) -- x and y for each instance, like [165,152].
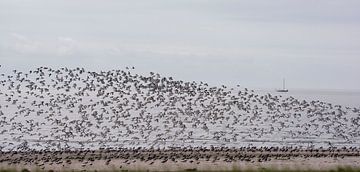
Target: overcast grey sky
[254,43]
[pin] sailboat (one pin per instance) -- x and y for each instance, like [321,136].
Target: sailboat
[283,89]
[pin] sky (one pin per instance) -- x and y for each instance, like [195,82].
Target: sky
[254,43]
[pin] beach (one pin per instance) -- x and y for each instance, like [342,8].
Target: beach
[218,159]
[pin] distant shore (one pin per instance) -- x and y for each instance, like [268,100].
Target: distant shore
[197,159]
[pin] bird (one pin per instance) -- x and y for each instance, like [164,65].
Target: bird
[65,109]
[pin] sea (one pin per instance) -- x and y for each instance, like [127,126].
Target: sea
[347,98]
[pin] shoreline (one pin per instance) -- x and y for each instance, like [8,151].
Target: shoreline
[220,159]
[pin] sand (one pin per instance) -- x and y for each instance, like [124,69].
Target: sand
[187,160]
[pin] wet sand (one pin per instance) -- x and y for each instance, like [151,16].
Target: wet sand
[182,159]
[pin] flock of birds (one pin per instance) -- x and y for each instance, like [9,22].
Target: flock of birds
[75,109]
[123,158]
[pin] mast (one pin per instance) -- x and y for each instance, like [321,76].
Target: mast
[283,83]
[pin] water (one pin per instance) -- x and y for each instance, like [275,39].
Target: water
[349,98]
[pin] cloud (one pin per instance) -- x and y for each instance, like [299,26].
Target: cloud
[66,46]
[21,44]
